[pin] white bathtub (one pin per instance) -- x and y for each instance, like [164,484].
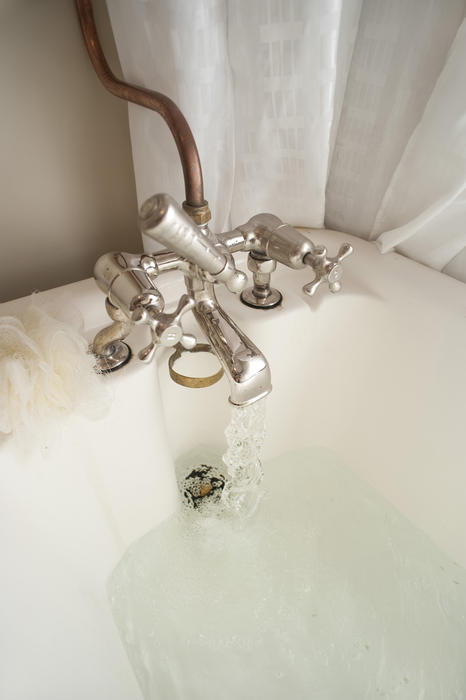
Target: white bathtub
[376,373]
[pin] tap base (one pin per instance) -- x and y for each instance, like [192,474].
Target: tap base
[273,299]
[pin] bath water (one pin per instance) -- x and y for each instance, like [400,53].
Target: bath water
[325,593]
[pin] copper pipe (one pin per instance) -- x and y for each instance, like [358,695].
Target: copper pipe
[162,104]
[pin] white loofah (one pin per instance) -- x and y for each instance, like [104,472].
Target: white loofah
[46,371]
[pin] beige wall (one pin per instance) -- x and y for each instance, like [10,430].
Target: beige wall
[67,190]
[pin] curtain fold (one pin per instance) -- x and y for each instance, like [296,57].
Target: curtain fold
[348,112]
[284,57]
[179,48]
[425,217]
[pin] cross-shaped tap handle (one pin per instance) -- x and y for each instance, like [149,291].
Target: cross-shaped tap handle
[166,329]
[327,269]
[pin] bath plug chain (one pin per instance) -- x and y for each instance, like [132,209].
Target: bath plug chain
[166,329]
[327,269]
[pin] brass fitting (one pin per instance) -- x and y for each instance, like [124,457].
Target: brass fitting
[200,215]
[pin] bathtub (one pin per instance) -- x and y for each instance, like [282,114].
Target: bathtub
[376,373]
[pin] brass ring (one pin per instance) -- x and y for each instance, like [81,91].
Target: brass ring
[192,382]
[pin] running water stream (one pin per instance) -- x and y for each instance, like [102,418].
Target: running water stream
[245,436]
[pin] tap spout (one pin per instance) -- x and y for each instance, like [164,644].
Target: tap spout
[245,366]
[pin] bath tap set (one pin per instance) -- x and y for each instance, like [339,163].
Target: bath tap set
[130,284]
[205,259]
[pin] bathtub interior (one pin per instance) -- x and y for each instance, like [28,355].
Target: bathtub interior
[376,374]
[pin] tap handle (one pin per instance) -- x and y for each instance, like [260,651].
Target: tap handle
[327,269]
[166,329]
[163,220]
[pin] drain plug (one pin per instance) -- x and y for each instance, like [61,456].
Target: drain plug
[204,484]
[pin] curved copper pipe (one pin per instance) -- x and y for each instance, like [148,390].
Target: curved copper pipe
[162,104]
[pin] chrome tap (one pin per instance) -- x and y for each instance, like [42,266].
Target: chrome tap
[133,298]
[269,241]
[129,281]
[210,262]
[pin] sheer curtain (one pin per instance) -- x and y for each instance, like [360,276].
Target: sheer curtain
[344,113]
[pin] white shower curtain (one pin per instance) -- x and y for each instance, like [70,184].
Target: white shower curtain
[350,113]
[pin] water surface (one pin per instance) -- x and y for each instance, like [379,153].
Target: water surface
[325,593]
